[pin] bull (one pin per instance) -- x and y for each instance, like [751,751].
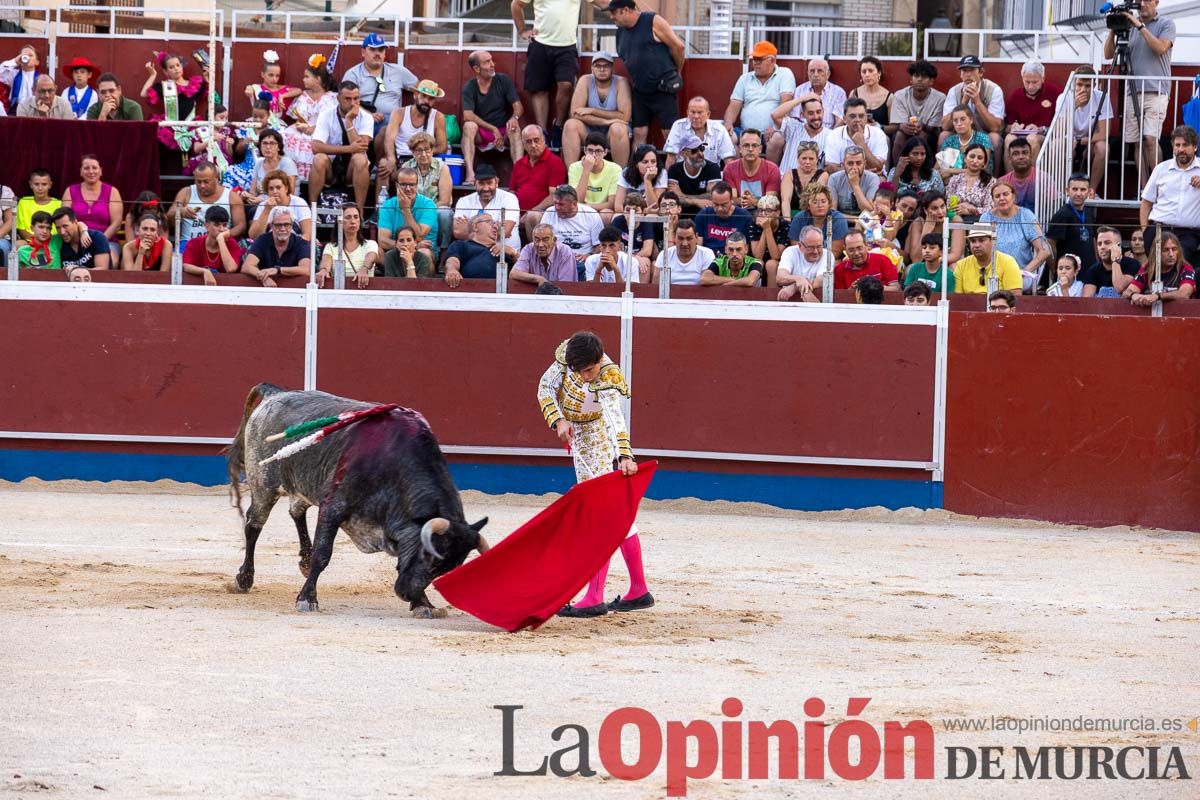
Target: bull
[383,480]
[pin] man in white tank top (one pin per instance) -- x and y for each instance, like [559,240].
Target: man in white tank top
[192,201]
[421,117]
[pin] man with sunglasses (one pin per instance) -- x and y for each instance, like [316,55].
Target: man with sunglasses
[972,274]
[278,252]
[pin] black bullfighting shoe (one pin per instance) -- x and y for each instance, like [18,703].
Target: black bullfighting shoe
[636,604]
[597,610]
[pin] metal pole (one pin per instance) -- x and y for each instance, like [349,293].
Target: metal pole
[501,272]
[14,264]
[945,255]
[339,263]
[1157,309]
[630,218]
[827,282]
[312,245]
[212,62]
[177,258]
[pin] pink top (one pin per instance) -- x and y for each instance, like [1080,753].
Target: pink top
[94,215]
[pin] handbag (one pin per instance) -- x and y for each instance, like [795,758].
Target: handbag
[670,83]
[453,131]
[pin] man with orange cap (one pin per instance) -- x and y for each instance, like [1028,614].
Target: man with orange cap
[761,90]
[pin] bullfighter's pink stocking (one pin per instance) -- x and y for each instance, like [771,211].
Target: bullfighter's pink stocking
[595,592]
[631,549]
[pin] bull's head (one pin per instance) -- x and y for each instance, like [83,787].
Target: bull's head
[444,545]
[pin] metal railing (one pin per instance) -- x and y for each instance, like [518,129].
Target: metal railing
[999,44]
[114,17]
[1122,178]
[821,40]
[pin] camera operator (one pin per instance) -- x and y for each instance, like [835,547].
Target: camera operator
[1150,44]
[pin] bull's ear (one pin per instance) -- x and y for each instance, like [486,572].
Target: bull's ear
[478,526]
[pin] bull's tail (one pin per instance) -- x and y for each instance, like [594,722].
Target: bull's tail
[235,454]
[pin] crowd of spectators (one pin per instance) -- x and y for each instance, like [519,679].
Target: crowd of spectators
[794,184]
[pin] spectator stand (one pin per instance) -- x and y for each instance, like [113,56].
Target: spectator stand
[1121,186]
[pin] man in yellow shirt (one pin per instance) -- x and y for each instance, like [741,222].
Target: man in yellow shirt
[594,177]
[971,274]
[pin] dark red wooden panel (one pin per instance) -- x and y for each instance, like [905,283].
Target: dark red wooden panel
[473,375]
[1090,420]
[836,390]
[142,368]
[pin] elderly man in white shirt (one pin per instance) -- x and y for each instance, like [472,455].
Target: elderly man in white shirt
[833,97]
[718,146]
[802,266]
[1172,196]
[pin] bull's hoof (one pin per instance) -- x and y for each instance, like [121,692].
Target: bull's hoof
[306,605]
[244,581]
[305,564]
[423,612]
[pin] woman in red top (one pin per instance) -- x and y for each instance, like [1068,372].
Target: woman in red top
[150,250]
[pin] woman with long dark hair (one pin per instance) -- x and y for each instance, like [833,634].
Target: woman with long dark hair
[914,168]
[644,173]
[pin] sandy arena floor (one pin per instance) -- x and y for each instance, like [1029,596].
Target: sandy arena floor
[129,671]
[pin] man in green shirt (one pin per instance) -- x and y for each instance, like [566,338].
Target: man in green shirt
[929,271]
[112,104]
[736,267]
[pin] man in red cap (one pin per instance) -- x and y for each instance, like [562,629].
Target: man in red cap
[761,90]
[80,93]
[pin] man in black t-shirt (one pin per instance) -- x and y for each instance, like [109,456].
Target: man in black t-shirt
[491,113]
[1112,272]
[279,251]
[1072,229]
[73,253]
[692,175]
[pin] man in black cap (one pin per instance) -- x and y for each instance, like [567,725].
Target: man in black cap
[983,97]
[654,56]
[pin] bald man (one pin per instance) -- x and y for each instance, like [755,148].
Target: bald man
[45,102]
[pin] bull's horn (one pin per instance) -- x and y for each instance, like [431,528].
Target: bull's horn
[482,546]
[437,526]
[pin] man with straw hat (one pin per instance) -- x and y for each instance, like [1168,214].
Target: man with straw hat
[405,123]
[973,274]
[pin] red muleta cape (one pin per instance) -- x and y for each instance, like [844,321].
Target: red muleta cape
[525,579]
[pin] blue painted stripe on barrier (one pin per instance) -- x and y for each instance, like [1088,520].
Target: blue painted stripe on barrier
[808,493]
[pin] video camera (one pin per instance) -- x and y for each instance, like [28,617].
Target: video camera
[1114,15]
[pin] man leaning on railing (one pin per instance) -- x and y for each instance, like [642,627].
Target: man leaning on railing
[1149,55]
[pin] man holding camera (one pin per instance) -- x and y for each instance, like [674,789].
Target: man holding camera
[1146,99]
